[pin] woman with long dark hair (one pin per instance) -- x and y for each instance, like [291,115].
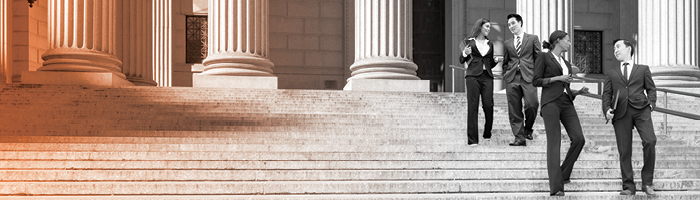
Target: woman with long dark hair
[553,74]
[477,55]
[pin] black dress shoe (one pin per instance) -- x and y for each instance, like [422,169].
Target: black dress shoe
[518,143]
[649,190]
[566,181]
[560,193]
[626,192]
[528,135]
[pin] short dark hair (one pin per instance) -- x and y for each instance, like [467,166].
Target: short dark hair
[517,18]
[627,43]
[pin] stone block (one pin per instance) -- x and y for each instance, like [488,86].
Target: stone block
[73,78]
[278,41]
[217,81]
[331,42]
[286,25]
[332,26]
[303,8]
[286,58]
[388,85]
[278,7]
[303,42]
[332,9]
[312,26]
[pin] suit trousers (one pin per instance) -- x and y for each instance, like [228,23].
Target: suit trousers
[641,119]
[562,109]
[479,86]
[518,91]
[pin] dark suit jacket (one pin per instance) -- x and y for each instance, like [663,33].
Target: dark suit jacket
[530,48]
[631,91]
[546,67]
[475,68]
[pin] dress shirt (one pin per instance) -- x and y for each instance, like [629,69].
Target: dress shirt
[629,68]
[483,48]
[564,69]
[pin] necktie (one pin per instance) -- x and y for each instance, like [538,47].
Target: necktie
[517,46]
[624,69]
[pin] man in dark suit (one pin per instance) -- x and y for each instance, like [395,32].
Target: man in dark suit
[520,54]
[628,82]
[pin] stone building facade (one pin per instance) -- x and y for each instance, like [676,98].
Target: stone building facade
[381,45]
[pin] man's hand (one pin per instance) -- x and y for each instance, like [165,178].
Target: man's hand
[583,90]
[610,114]
[653,106]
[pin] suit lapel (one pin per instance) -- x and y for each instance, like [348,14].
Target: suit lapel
[622,76]
[556,62]
[634,70]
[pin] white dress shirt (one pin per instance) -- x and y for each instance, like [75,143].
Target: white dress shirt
[629,68]
[515,41]
[483,48]
[564,69]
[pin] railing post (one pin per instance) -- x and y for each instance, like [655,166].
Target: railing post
[453,80]
[665,115]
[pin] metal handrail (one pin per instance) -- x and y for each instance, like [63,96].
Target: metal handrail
[453,75]
[663,110]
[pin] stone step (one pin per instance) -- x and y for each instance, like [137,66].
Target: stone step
[321,187]
[327,165]
[663,195]
[295,156]
[303,148]
[578,175]
[599,140]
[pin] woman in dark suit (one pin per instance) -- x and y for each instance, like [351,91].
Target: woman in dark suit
[478,52]
[553,74]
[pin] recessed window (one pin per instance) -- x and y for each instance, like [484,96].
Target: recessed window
[196,46]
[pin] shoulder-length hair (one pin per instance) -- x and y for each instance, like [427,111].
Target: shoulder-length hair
[476,29]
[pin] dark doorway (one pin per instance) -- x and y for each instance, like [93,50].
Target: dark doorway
[429,41]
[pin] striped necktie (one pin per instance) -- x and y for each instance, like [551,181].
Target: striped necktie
[517,46]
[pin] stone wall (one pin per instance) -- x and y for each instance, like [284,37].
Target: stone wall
[307,43]
[600,15]
[30,36]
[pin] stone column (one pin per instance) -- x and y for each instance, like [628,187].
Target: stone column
[136,41]
[383,48]
[81,45]
[238,46]
[161,39]
[542,17]
[668,41]
[5,41]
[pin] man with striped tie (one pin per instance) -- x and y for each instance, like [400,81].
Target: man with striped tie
[519,65]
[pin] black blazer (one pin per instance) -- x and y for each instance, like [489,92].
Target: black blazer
[475,67]
[546,67]
[631,91]
[525,63]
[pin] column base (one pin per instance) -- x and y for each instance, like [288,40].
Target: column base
[388,85]
[222,81]
[73,78]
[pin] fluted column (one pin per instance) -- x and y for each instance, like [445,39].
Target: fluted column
[383,45]
[237,46]
[238,38]
[136,41]
[82,37]
[383,40]
[547,16]
[668,41]
[161,39]
[5,41]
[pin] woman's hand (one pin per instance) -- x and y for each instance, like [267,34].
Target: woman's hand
[564,78]
[467,50]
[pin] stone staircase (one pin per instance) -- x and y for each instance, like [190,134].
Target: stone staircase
[89,142]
